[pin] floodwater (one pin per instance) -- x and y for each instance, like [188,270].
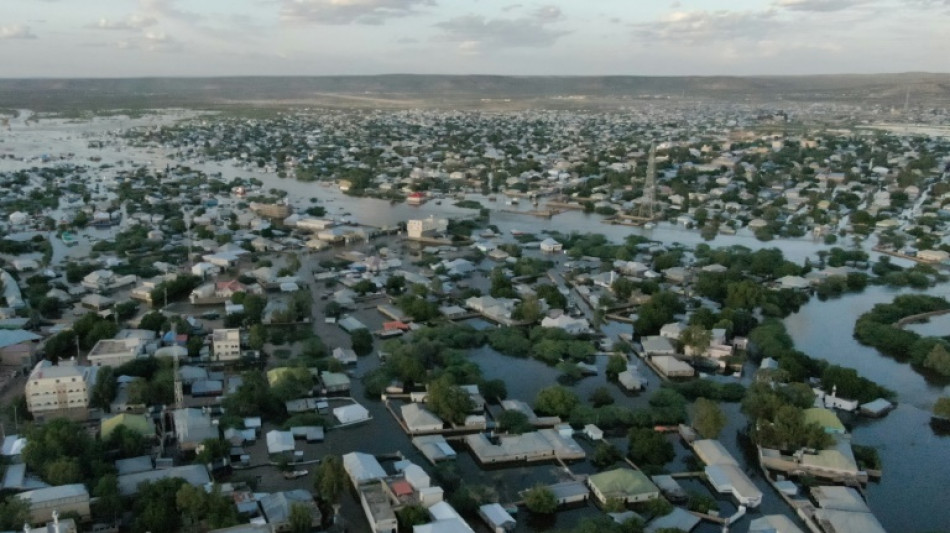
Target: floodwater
[915,460]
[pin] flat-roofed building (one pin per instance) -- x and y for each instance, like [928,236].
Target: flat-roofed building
[226,344]
[59,389]
[116,352]
[64,499]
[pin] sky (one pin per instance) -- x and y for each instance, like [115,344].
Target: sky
[137,38]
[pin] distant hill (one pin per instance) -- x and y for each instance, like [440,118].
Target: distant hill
[402,90]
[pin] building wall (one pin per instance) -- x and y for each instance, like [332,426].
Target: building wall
[17,355]
[55,394]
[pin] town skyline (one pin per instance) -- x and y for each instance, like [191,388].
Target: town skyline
[169,38]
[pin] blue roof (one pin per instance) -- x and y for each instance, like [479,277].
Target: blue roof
[12,337]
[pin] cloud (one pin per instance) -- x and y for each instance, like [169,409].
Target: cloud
[132,22]
[167,9]
[823,6]
[707,27]
[475,32]
[16,31]
[348,11]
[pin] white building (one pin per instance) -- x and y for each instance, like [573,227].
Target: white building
[226,344]
[116,352]
[59,389]
[420,228]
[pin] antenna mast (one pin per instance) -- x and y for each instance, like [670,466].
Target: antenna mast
[649,187]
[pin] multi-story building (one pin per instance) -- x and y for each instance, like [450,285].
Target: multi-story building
[116,352]
[62,389]
[426,227]
[226,344]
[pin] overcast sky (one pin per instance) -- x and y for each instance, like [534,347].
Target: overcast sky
[125,38]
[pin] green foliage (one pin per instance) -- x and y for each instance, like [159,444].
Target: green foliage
[615,365]
[448,401]
[62,452]
[667,407]
[779,423]
[941,408]
[660,309]
[601,397]
[707,388]
[362,341]
[708,418]
[539,499]
[550,294]
[514,422]
[14,512]
[153,321]
[177,289]
[330,479]
[556,401]
[510,341]
[254,398]
[648,447]
[699,502]
[605,455]
[105,388]
[412,515]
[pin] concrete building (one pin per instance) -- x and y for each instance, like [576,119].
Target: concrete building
[116,352]
[376,505]
[59,390]
[623,484]
[426,227]
[63,499]
[226,344]
[17,347]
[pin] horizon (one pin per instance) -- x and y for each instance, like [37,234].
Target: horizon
[476,75]
[123,39]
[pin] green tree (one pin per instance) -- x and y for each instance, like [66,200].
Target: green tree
[14,512]
[108,507]
[615,365]
[648,447]
[601,397]
[330,479]
[448,400]
[256,337]
[941,408]
[412,515]
[514,422]
[938,360]
[539,499]
[104,390]
[708,418]
[605,455]
[362,341]
[527,310]
[556,401]
[153,321]
[301,520]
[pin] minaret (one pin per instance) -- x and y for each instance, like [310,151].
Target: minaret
[179,394]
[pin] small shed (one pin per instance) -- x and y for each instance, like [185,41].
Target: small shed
[497,518]
[593,432]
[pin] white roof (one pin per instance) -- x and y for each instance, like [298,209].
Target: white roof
[362,467]
[280,441]
[350,413]
[712,452]
[52,494]
[495,515]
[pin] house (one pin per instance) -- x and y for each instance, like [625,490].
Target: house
[63,389]
[551,246]
[17,347]
[426,228]
[374,499]
[824,418]
[418,419]
[226,344]
[544,444]
[362,468]
[842,510]
[192,427]
[345,356]
[194,475]
[657,345]
[334,382]
[773,523]
[933,256]
[724,473]
[631,380]
[445,519]
[672,367]
[678,520]
[624,484]
[279,442]
[63,499]
[574,326]
[497,518]
[349,414]
[277,508]
[116,352]
[434,447]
